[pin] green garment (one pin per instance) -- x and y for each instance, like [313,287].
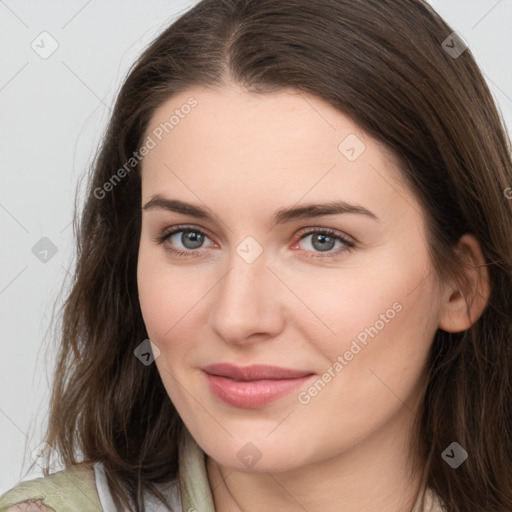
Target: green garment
[70,490]
[74,489]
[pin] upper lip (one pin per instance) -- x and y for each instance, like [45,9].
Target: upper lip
[254,372]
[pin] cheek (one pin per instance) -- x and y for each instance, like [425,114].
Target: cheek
[171,299]
[335,306]
[160,295]
[377,359]
[167,296]
[379,316]
[151,292]
[374,369]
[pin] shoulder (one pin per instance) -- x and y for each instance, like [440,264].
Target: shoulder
[70,490]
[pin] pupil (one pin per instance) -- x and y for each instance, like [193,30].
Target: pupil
[323,239]
[192,239]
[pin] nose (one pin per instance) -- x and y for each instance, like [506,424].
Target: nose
[247,304]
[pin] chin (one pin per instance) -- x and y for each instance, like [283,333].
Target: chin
[256,456]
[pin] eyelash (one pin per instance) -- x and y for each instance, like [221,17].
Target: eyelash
[349,244]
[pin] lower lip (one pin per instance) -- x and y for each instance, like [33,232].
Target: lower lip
[254,393]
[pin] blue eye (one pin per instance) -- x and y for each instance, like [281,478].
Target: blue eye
[323,240]
[191,239]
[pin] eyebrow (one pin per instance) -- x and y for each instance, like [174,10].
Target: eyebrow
[281,216]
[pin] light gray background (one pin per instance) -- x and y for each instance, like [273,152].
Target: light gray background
[53,113]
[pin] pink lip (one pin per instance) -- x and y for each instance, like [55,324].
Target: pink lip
[252,386]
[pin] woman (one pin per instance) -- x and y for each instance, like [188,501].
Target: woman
[293,286]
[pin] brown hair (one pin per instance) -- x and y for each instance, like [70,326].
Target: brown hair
[382,63]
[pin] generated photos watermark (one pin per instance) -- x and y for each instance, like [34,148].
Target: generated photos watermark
[150,143]
[305,397]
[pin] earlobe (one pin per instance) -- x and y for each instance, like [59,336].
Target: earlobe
[461,309]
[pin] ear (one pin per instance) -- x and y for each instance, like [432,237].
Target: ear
[460,310]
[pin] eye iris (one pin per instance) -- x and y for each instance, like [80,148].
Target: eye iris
[192,239]
[326,242]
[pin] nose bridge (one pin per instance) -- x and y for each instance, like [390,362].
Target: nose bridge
[244,304]
[248,272]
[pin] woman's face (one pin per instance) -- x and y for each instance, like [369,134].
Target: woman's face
[342,293]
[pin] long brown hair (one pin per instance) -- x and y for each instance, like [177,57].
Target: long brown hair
[383,63]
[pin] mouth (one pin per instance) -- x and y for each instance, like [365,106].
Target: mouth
[253,386]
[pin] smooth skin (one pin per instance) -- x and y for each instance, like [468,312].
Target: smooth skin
[299,304]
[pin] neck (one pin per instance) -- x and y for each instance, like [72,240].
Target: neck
[373,476]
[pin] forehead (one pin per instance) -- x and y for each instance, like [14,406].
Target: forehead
[214,142]
[245,121]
